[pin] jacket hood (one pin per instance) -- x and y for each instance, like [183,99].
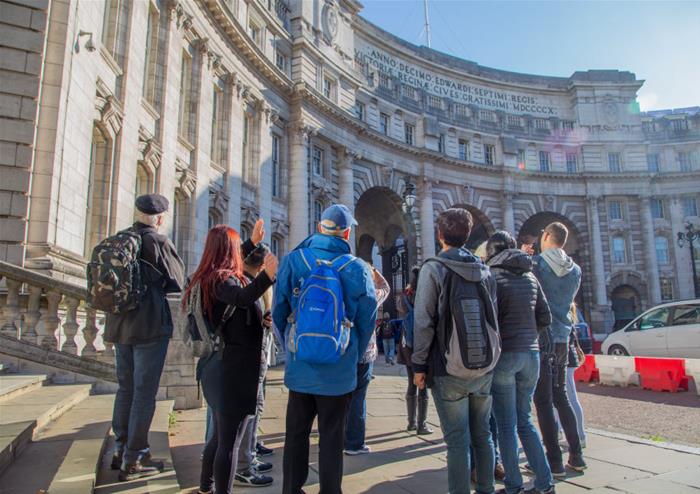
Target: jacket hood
[559,261]
[325,242]
[465,264]
[514,260]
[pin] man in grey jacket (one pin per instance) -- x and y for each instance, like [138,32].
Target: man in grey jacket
[464,405]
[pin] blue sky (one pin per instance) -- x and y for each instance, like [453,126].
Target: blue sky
[657,40]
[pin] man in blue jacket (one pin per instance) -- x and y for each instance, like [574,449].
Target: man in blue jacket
[322,389]
[560,278]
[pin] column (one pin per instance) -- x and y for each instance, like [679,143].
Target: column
[264,178]
[652,265]
[684,270]
[346,183]
[298,184]
[234,110]
[427,219]
[599,293]
[508,217]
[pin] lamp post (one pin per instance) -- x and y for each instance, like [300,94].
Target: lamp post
[409,195]
[690,235]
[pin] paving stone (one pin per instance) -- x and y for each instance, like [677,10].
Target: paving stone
[654,485]
[639,456]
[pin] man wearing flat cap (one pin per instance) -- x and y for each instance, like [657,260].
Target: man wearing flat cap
[140,338]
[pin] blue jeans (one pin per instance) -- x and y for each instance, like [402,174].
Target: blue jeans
[464,408]
[357,413]
[138,371]
[494,437]
[389,346]
[514,381]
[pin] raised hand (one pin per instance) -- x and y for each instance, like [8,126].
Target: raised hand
[258,232]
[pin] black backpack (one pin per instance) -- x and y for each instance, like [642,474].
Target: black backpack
[468,327]
[114,273]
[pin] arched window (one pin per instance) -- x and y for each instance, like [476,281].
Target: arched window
[318,211]
[277,246]
[214,218]
[662,255]
[143,181]
[246,232]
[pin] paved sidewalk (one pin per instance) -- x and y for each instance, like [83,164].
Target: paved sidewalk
[403,463]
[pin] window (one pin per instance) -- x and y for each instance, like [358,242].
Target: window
[409,134]
[149,73]
[571,162]
[684,161]
[384,123]
[276,246]
[144,184]
[653,163]
[461,110]
[521,159]
[615,210]
[317,161]
[329,88]
[657,208]
[185,96]
[360,111]
[614,163]
[666,289]
[514,121]
[254,32]
[114,26]
[489,154]
[318,211]
[463,149]
[686,314]
[275,166]
[281,61]
[214,218]
[245,233]
[216,120]
[654,319]
[441,143]
[567,125]
[661,244]
[690,206]
[545,161]
[434,102]
[619,250]
[679,125]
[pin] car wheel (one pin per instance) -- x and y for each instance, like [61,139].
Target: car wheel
[617,350]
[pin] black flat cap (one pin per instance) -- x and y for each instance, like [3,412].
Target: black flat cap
[152,204]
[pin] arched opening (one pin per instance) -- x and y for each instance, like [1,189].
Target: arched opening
[98,214]
[386,237]
[482,228]
[626,305]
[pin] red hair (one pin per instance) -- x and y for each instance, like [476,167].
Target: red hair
[221,260]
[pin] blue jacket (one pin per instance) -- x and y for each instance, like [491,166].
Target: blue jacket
[360,308]
[560,278]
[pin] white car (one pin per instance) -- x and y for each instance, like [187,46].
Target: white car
[667,330]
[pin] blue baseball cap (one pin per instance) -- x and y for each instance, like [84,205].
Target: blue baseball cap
[337,218]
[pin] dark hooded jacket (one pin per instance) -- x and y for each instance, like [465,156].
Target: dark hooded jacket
[522,307]
[431,301]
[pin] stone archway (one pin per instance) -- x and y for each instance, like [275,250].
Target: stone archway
[482,228]
[626,305]
[384,227]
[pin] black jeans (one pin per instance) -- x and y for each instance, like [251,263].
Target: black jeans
[332,412]
[550,393]
[221,451]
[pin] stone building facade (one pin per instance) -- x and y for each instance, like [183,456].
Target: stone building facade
[239,109]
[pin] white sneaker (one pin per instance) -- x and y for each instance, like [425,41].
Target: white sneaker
[364,450]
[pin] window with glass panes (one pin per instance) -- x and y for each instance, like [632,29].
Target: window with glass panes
[409,133]
[666,289]
[690,206]
[328,88]
[275,166]
[571,162]
[614,163]
[463,149]
[318,211]
[384,123]
[149,75]
[661,244]
[281,61]
[360,110]
[657,208]
[441,143]
[216,121]
[653,162]
[545,161]
[684,161]
[619,250]
[489,154]
[185,96]
[317,160]
[615,210]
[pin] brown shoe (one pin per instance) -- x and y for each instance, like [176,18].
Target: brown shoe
[499,472]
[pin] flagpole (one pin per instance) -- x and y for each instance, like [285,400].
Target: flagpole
[427,22]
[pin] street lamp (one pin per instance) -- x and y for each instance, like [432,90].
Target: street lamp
[690,235]
[409,195]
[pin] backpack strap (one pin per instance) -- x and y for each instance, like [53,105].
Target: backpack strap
[308,258]
[341,262]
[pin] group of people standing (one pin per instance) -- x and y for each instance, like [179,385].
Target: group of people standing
[523,300]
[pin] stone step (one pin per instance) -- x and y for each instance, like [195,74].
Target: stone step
[13,385]
[23,416]
[158,438]
[63,457]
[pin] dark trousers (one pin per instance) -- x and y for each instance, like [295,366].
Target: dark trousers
[550,393]
[357,415]
[138,372]
[332,411]
[221,452]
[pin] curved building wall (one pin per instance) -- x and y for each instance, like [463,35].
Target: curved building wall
[237,110]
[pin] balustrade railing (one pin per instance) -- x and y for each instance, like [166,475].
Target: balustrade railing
[51,313]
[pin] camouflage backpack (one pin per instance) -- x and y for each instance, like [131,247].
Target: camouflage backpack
[114,273]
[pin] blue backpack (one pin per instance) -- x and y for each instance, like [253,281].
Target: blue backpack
[319,332]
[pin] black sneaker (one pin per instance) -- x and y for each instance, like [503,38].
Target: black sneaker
[532,490]
[558,471]
[262,451]
[261,466]
[139,470]
[252,478]
[576,463]
[117,460]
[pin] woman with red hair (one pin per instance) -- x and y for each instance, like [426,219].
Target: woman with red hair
[229,376]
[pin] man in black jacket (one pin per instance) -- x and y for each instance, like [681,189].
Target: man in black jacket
[140,338]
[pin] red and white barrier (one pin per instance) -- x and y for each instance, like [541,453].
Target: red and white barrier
[657,374]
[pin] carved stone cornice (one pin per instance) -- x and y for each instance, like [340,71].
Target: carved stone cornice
[280,227]
[249,213]
[302,131]
[218,199]
[149,151]
[186,179]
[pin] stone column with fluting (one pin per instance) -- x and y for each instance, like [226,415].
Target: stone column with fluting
[427,219]
[346,183]
[298,184]
[684,270]
[652,265]
[599,293]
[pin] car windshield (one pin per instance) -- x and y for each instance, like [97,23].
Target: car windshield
[655,319]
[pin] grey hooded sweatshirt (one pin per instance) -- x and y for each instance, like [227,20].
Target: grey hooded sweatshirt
[430,298]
